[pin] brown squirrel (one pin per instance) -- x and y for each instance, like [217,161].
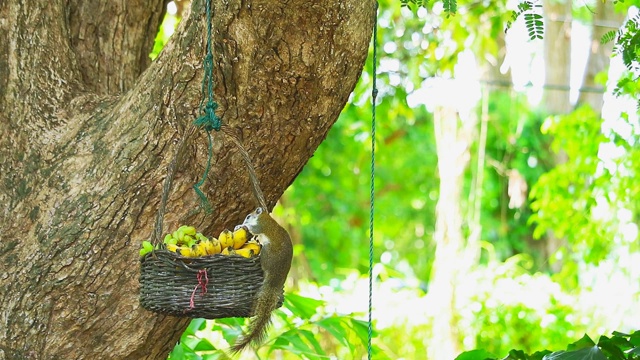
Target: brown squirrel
[275,259]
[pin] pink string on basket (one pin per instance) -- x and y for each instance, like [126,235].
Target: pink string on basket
[203,280]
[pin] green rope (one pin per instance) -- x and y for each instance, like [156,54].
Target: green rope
[374,95]
[209,120]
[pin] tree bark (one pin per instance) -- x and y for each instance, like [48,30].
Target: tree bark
[557,55]
[605,19]
[88,127]
[557,66]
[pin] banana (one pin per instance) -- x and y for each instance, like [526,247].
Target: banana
[185,251]
[169,239]
[187,230]
[213,247]
[228,251]
[253,245]
[188,240]
[172,247]
[200,237]
[226,239]
[244,252]
[199,249]
[240,236]
[147,247]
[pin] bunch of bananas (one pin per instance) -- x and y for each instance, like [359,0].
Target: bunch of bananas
[187,242]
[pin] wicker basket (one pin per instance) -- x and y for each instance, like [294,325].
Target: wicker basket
[209,287]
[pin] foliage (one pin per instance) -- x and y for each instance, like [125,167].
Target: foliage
[167,27]
[304,332]
[530,10]
[450,6]
[504,301]
[627,46]
[619,346]
[572,188]
[514,143]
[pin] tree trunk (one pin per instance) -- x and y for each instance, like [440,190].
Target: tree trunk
[88,126]
[452,144]
[557,66]
[557,55]
[605,19]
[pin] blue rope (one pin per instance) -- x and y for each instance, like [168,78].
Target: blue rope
[209,120]
[374,95]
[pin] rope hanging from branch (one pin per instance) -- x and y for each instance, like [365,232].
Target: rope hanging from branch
[374,95]
[208,120]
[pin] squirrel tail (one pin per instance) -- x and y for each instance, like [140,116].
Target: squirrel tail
[266,302]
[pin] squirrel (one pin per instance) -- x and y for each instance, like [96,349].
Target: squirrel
[275,260]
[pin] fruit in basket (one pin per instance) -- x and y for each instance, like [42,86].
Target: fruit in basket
[228,251]
[248,253]
[226,239]
[252,245]
[240,236]
[172,247]
[188,242]
[185,251]
[147,247]
[213,247]
[199,249]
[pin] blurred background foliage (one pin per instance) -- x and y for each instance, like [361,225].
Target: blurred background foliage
[550,197]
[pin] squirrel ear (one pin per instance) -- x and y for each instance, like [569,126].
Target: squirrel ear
[259,211]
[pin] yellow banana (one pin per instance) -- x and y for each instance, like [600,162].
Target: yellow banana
[199,249]
[240,236]
[228,251]
[245,252]
[185,251]
[226,239]
[213,247]
[253,245]
[172,247]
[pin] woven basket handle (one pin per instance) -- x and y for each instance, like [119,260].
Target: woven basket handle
[255,183]
[156,237]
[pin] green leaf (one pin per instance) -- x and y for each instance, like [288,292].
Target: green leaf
[590,353]
[539,355]
[361,328]
[311,339]
[204,345]
[195,325]
[335,327]
[301,306]
[635,338]
[291,341]
[231,328]
[608,36]
[517,355]
[584,342]
[450,7]
[477,354]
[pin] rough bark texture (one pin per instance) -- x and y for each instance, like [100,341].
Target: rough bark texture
[88,127]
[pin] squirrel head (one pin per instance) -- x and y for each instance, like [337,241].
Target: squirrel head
[257,221]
